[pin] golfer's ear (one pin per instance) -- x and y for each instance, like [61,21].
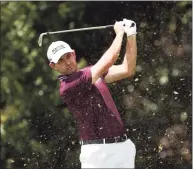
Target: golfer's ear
[51,65]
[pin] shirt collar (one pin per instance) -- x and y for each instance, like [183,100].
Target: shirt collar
[62,77]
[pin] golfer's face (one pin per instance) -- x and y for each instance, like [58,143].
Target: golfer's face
[67,64]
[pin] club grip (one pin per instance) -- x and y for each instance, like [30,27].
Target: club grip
[109,26]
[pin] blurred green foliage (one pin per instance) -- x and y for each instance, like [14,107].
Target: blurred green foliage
[37,131]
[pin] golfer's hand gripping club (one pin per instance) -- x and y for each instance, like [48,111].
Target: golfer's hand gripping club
[129,27]
[119,27]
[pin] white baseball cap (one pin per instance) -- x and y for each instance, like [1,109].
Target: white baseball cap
[56,50]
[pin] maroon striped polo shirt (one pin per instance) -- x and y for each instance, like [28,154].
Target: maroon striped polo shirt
[91,104]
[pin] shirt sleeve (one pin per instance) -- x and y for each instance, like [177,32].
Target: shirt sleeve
[86,77]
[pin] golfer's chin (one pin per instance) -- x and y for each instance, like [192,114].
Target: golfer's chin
[69,71]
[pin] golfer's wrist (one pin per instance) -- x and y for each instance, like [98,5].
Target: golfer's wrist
[120,33]
[131,37]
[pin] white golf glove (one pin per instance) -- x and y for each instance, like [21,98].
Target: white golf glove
[129,27]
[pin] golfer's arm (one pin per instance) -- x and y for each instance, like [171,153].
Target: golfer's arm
[108,58]
[127,68]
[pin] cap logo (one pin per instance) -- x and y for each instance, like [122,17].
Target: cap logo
[57,49]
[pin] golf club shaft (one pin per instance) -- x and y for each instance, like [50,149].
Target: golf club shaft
[71,30]
[80,29]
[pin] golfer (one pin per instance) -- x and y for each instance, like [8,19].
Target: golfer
[103,139]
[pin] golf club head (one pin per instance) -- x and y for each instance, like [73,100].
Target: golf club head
[40,39]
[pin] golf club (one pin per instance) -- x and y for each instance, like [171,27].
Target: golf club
[70,30]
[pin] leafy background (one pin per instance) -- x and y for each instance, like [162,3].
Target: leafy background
[38,132]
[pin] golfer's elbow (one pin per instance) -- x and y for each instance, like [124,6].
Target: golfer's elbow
[133,72]
[130,72]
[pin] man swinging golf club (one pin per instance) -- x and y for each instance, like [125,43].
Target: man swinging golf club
[103,139]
